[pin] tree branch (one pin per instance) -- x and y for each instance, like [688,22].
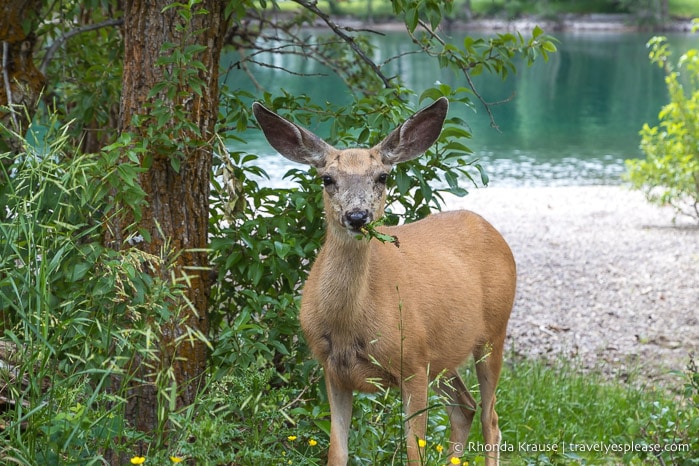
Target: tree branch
[58,42]
[467,75]
[350,41]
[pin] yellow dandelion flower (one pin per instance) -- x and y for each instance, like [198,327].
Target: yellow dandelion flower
[176,459]
[138,460]
[454,460]
[312,442]
[291,438]
[439,448]
[421,443]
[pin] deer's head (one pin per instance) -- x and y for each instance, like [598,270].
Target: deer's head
[354,179]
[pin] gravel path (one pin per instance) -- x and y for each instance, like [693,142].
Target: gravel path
[603,276]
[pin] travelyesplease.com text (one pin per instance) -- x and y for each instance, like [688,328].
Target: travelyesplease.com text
[563,448]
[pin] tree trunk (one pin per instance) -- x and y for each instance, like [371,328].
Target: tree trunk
[21,81]
[664,11]
[468,12]
[176,216]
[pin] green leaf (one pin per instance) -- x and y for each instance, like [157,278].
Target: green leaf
[281,249]
[549,46]
[370,231]
[431,93]
[79,271]
[459,192]
[485,179]
[176,162]
[455,132]
[403,181]
[411,19]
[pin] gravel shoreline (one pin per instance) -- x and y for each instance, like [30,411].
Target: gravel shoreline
[603,276]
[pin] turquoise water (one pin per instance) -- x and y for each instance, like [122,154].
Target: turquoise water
[572,120]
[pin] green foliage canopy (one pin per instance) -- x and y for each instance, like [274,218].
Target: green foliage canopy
[79,311]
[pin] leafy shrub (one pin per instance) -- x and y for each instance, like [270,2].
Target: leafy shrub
[670,173]
[78,313]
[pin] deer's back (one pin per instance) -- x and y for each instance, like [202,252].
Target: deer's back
[453,267]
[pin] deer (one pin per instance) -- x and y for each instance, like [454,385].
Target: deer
[405,314]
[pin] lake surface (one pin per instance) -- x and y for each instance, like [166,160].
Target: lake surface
[572,120]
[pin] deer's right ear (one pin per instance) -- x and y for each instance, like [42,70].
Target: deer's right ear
[293,142]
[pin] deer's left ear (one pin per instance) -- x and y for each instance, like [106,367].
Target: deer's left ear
[415,135]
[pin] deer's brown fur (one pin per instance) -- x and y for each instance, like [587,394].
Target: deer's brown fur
[374,313]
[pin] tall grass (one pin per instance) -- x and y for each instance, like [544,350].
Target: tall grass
[45,254]
[73,314]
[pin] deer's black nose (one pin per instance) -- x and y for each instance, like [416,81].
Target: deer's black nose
[356,219]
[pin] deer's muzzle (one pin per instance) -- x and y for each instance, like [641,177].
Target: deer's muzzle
[357,219]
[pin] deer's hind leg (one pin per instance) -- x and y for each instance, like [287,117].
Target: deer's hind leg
[461,408]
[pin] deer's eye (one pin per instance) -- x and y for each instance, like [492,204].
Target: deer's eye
[327,180]
[382,178]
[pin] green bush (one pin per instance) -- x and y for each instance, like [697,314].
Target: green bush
[669,175]
[74,314]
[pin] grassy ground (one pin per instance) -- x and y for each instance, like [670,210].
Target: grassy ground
[488,7]
[549,414]
[684,8]
[556,414]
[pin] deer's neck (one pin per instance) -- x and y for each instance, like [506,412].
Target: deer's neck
[346,275]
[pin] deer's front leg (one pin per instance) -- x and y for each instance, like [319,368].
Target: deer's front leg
[414,393]
[340,419]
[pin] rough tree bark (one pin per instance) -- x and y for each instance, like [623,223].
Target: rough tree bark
[177,211]
[21,81]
